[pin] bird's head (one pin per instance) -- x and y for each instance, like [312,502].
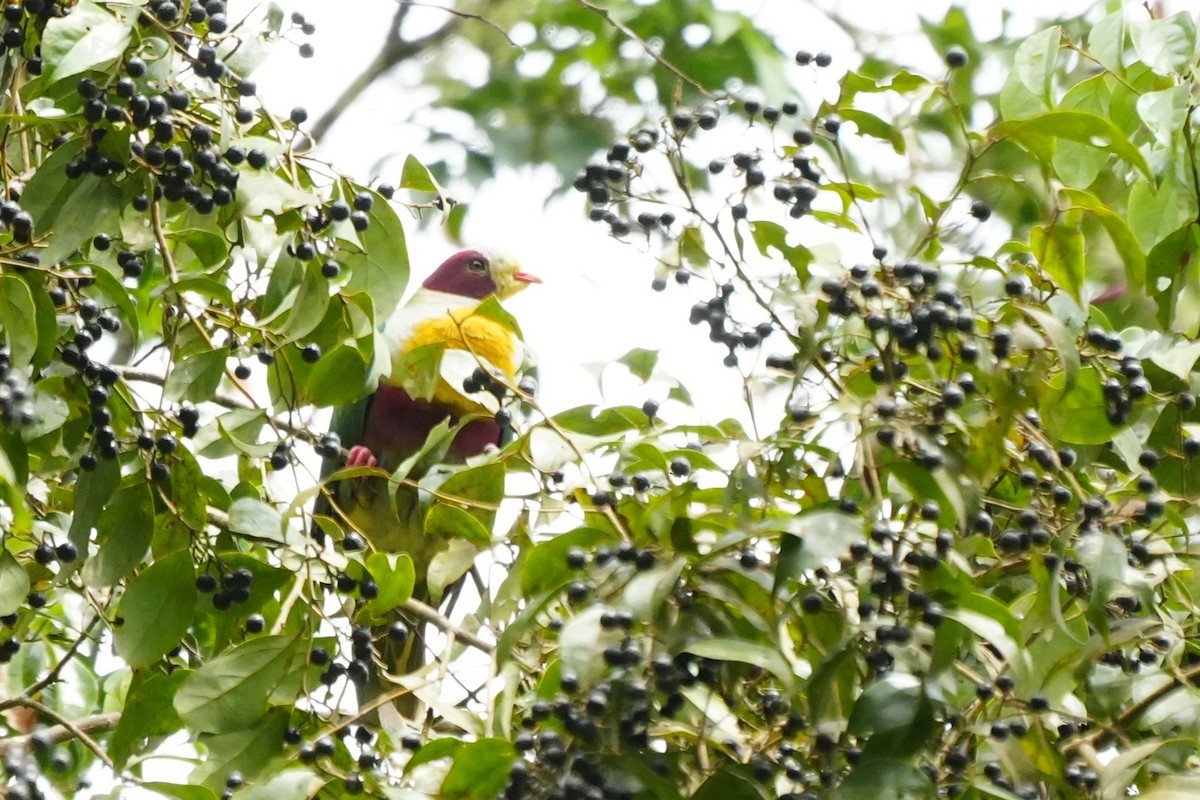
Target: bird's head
[476,275]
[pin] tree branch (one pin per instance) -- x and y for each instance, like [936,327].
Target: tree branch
[64,731]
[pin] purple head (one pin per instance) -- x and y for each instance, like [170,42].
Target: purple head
[474,275]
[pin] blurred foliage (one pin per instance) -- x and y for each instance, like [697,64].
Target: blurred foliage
[946,552]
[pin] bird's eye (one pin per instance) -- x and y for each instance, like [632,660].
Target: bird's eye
[477,267]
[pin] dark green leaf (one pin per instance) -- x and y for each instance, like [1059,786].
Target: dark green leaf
[745,652]
[14,584]
[148,711]
[17,311]
[123,532]
[380,269]
[230,692]
[729,783]
[197,377]
[157,609]
[480,770]
[434,750]
[91,495]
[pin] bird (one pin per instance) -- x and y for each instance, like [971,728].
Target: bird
[388,425]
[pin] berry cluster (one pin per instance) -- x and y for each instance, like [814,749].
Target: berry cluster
[16,396]
[228,588]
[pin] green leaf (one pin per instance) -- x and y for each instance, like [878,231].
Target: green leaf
[180,791]
[90,36]
[1059,251]
[545,565]
[772,235]
[744,652]
[1062,339]
[262,191]
[1078,126]
[1079,164]
[47,325]
[380,269]
[91,495]
[197,376]
[17,312]
[1035,60]
[455,218]
[870,125]
[253,517]
[14,584]
[480,770]
[1168,45]
[1106,41]
[420,369]
[395,576]
[1157,212]
[433,751]
[157,609]
[1126,244]
[729,783]
[451,522]
[230,692]
[249,751]
[147,712]
[308,307]
[187,490]
[123,532]
[416,176]
[288,783]
[825,534]
[888,705]
[640,362]
[235,431]
[338,378]
[1164,113]
[491,309]
[1078,416]
[590,422]
[886,779]
[1105,555]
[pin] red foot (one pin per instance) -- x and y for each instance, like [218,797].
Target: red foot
[360,456]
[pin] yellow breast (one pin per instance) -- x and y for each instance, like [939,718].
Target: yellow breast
[463,330]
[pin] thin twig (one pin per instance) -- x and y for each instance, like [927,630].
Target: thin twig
[52,676]
[629,32]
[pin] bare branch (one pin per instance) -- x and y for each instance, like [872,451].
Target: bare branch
[64,731]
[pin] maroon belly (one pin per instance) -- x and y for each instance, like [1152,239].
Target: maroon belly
[397,426]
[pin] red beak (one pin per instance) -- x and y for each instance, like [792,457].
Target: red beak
[525,277]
